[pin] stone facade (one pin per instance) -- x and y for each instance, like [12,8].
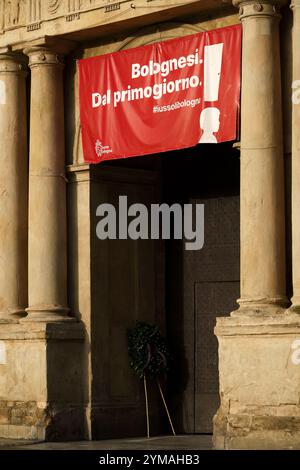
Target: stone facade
[57,380]
[260,400]
[41,381]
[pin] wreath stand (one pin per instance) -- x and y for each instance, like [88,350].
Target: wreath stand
[149,355]
[165,405]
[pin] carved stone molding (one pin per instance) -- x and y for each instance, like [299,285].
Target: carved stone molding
[34,15]
[13,13]
[30,13]
[74,5]
[43,56]
[73,10]
[23,21]
[53,6]
[12,62]
[255,8]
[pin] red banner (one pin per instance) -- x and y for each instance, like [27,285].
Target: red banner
[164,96]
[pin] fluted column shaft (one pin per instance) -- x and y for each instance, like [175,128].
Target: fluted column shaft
[262,167]
[47,189]
[13,187]
[296,157]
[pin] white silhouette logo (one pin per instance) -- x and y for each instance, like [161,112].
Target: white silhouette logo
[209,123]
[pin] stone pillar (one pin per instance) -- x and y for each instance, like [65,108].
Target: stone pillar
[13,188]
[296,158]
[262,169]
[259,352]
[47,189]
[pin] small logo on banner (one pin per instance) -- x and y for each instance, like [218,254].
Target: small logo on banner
[101,149]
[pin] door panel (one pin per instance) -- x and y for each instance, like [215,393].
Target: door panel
[128,286]
[210,286]
[212,299]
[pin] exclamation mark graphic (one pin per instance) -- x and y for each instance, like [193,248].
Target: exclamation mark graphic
[212,71]
[210,117]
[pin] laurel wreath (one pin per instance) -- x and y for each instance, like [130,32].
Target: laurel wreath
[148,351]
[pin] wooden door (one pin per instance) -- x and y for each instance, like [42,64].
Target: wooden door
[128,286]
[206,286]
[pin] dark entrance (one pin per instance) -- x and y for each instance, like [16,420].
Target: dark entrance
[201,285]
[182,291]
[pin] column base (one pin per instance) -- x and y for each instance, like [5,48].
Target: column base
[295,307]
[42,381]
[254,306]
[12,315]
[47,313]
[259,367]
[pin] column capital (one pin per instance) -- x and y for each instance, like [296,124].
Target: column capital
[254,8]
[11,62]
[41,55]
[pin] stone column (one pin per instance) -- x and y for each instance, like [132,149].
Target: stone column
[262,169]
[13,188]
[47,189]
[296,158]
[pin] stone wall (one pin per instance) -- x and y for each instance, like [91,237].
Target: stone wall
[41,381]
[22,21]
